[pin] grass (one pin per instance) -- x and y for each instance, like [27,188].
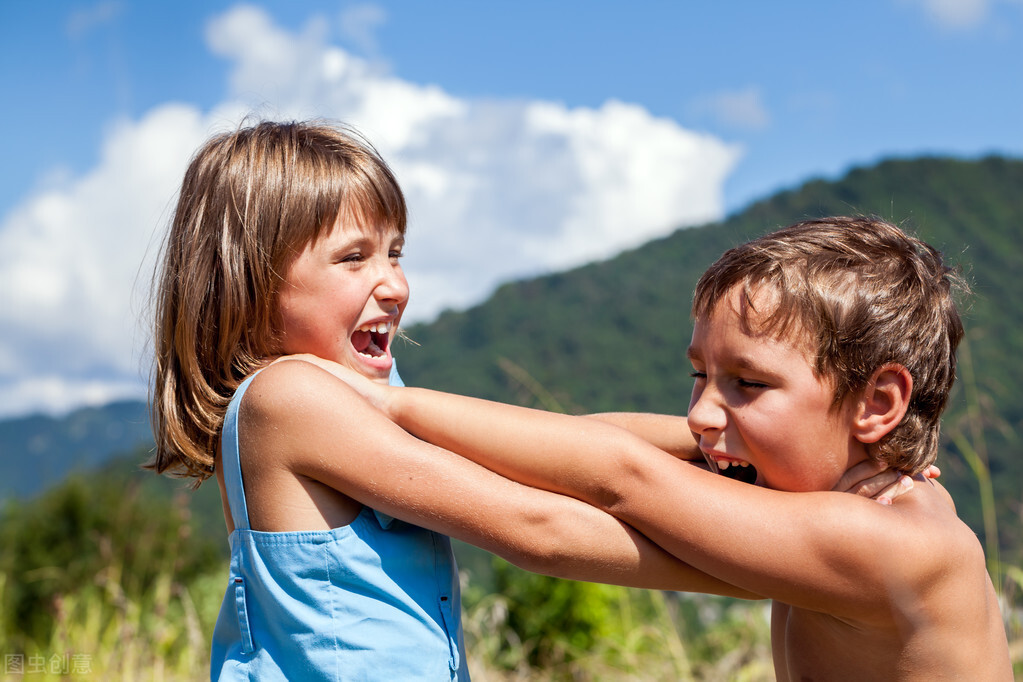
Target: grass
[100,633]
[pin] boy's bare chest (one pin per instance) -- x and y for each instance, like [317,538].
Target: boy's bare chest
[814,646]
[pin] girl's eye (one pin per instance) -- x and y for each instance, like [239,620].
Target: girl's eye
[397,253]
[351,258]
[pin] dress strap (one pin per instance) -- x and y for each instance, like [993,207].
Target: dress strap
[230,459]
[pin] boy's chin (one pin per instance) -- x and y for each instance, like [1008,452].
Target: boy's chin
[745,474]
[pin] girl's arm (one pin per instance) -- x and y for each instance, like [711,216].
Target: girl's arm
[302,419]
[822,551]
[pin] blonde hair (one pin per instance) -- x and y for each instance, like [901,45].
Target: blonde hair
[249,203]
[861,293]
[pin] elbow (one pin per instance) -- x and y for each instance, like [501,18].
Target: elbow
[543,542]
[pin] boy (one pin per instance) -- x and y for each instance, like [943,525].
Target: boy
[816,348]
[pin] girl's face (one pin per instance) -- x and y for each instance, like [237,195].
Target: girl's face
[343,297]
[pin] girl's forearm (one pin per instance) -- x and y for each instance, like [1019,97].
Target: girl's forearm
[571,455]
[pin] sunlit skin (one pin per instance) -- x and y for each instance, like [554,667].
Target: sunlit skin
[861,591]
[348,280]
[752,392]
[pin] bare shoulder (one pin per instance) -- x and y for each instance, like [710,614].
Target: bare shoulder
[289,422]
[929,543]
[292,391]
[287,406]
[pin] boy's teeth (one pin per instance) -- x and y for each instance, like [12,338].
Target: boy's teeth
[724,464]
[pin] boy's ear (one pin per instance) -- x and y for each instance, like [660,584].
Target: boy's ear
[883,403]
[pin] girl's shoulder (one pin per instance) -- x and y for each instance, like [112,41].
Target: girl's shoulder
[291,420]
[290,398]
[293,383]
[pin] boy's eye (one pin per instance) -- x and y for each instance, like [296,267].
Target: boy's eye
[746,383]
[696,374]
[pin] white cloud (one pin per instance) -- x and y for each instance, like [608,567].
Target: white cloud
[359,24]
[739,109]
[959,14]
[497,190]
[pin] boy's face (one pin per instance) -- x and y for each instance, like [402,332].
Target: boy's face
[756,400]
[343,297]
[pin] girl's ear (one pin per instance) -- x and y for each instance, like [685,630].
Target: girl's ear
[883,403]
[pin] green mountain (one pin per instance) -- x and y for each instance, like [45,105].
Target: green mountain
[612,335]
[39,451]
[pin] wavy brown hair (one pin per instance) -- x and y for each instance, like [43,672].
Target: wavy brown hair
[860,293]
[250,202]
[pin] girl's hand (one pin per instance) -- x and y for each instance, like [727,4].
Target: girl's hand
[870,479]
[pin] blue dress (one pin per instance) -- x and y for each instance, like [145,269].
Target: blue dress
[376,600]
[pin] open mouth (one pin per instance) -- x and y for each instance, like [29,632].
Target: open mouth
[371,340]
[737,470]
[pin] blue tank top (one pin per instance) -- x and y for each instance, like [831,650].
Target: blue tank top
[376,600]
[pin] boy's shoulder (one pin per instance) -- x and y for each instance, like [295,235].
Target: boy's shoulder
[870,563]
[924,583]
[920,538]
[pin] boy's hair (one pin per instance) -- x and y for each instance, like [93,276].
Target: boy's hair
[250,202]
[862,293]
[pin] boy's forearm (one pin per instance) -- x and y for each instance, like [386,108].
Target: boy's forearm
[666,432]
[541,449]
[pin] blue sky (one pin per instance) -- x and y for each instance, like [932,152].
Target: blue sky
[549,133]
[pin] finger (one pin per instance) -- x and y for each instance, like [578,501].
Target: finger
[856,474]
[897,489]
[866,479]
[932,472]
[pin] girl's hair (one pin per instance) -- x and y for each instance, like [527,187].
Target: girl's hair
[858,293]
[251,200]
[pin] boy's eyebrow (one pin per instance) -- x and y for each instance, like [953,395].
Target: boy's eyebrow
[740,362]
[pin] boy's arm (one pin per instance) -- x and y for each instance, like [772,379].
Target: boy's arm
[667,432]
[830,552]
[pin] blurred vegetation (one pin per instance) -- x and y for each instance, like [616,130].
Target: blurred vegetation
[119,574]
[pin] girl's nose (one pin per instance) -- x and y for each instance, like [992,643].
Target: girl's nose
[392,287]
[705,408]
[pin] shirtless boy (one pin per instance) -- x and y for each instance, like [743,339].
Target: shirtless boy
[816,348]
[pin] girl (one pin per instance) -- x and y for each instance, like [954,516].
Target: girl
[286,240]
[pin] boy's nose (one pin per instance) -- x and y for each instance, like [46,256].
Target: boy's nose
[705,411]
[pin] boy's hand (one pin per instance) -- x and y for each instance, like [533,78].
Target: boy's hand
[870,479]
